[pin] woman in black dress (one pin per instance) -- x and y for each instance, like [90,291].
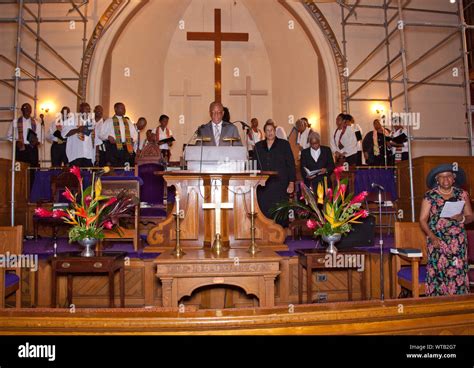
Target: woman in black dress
[274,154]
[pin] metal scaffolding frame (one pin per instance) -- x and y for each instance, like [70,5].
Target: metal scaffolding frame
[400,7]
[21,74]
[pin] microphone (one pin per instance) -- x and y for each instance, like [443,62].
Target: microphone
[378,186]
[42,119]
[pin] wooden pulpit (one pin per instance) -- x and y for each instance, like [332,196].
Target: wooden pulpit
[229,193]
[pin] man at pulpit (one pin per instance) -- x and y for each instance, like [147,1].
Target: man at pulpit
[219,132]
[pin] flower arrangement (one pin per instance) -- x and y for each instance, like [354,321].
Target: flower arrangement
[328,212]
[92,212]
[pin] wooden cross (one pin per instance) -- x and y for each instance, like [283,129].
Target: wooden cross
[248,93]
[218,37]
[187,96]
[217,206]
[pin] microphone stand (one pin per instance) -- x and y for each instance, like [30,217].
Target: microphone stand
[382,297]
[43,148]
[384,142]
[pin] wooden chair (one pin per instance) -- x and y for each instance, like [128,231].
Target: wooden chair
[11,241]
[410,272]
[58,184]
[389,209]
[113,188]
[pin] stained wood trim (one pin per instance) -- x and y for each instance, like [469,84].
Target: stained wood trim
[422,316]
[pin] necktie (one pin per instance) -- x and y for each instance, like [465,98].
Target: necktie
[217,134]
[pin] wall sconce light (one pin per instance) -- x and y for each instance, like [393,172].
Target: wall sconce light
[47,107]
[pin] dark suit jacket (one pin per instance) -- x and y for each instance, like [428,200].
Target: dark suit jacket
[228,131]
[325,160]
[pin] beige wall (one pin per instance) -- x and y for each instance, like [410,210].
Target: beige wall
[66,40]
[279,59]
[441,109]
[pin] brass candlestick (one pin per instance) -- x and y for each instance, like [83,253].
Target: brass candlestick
[177,252]
[253,249]
[217,246]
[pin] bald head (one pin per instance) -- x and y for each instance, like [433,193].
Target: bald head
[216,111]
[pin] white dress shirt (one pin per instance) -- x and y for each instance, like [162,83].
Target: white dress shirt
[26,127]
[348,140]
[403,149]
[254,138]
[280,133]
[162,135]
[217,128]
[315,154]
[107,129]
[77,148]
[302,139]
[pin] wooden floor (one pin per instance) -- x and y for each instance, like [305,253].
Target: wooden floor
[429,316]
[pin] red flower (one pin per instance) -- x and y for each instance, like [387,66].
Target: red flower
[60,213]
[41,212]
[108,225]
[342,190]
[311,224]
[337,171]
[110,202]
[81,212]
[359,198]
[68,195]
[88,200]
[329,194]
[77,172]
[362,213]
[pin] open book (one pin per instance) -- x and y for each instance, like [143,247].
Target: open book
[312,173]
[166,140]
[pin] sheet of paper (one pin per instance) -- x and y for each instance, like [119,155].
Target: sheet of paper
[451,209]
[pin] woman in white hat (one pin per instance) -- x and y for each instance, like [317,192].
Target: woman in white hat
[447,267]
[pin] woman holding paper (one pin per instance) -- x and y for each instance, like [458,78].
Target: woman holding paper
[447,267]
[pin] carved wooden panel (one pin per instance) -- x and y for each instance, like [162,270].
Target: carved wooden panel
[198,225]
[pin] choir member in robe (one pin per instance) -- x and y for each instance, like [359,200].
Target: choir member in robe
[58,139]
[316,157]
[304,131]
[376,146]
[101,155]
[274,154]
[121,136]
[359,136]
[163,132]
[28,137]
[254,135]
[82,139]
[399,145]
[344,142]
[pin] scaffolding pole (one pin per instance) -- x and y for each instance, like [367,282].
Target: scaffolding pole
[406,105]
[400,7]
[15,111]
[22,23]
[467,83]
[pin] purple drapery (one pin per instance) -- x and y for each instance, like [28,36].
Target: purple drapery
[385,177]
